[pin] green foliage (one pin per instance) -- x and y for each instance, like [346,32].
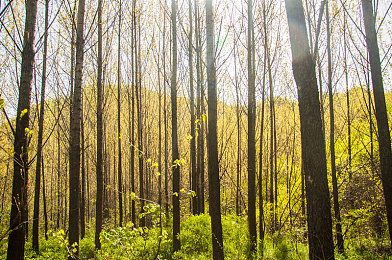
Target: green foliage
[130,242]
[195,237]
[135,243]
[53,248]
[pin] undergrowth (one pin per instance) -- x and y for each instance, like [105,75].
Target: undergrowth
[130,242]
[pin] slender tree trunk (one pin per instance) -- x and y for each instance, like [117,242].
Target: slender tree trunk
[40,136]
[348,98]
[384,138]
[261,210]
[272,175]
[99,165]
[165,116]
[120,195]
[339,234]
[139,117]
[251,134]
[238,114]
[18,217]
[200,111]
[276,224]
[213,162]
[175,154]
[44,201]
[83,179]
[58,163]
[312,138]
[195,209]
[74,155]
[132,146]
[159,138]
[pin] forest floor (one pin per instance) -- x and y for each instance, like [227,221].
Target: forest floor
[156,243]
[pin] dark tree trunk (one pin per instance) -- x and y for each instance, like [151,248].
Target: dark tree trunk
[74,142]
[119,134]
[338,225]
[195,208]
[165,116]
[384,138]
[44,200]
[83,178]
[238,114]
[58,164]
[139,117]
[200,110]
[175,154]
[213,162]
[132,124]
[312,138]
[348,98]
[40,136]
[99,165]
[272,145]
[261,210]
[160,138]
[18,217]
[251,135]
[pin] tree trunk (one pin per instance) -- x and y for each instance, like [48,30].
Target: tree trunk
[175,155]
[139,117]
[348,98]
[74,142]
[251,134]
[99,165]
[44,200]
[119,134]
[338,225]
[18,217]
[260,184]
[238,114]
[195,209]
[165,117]
[213,162]
[384,138]
[312,139]
[83,178]
[40,136]
[200,110]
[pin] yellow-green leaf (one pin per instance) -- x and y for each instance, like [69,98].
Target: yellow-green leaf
[24,111]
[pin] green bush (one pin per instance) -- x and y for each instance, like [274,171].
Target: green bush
[195,237]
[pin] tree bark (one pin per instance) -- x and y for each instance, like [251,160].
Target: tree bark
[200,110]
[384,138]
[213,162]
[99,165]
[74,142]
[120,195]
[195,208]
[251,134]
[338,225]
[312,138]
[83,178]
[40,136]
[175,154]
[18,217]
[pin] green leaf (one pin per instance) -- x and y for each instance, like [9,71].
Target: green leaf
[1,103]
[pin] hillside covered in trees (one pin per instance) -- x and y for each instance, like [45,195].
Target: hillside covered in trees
[172,129]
